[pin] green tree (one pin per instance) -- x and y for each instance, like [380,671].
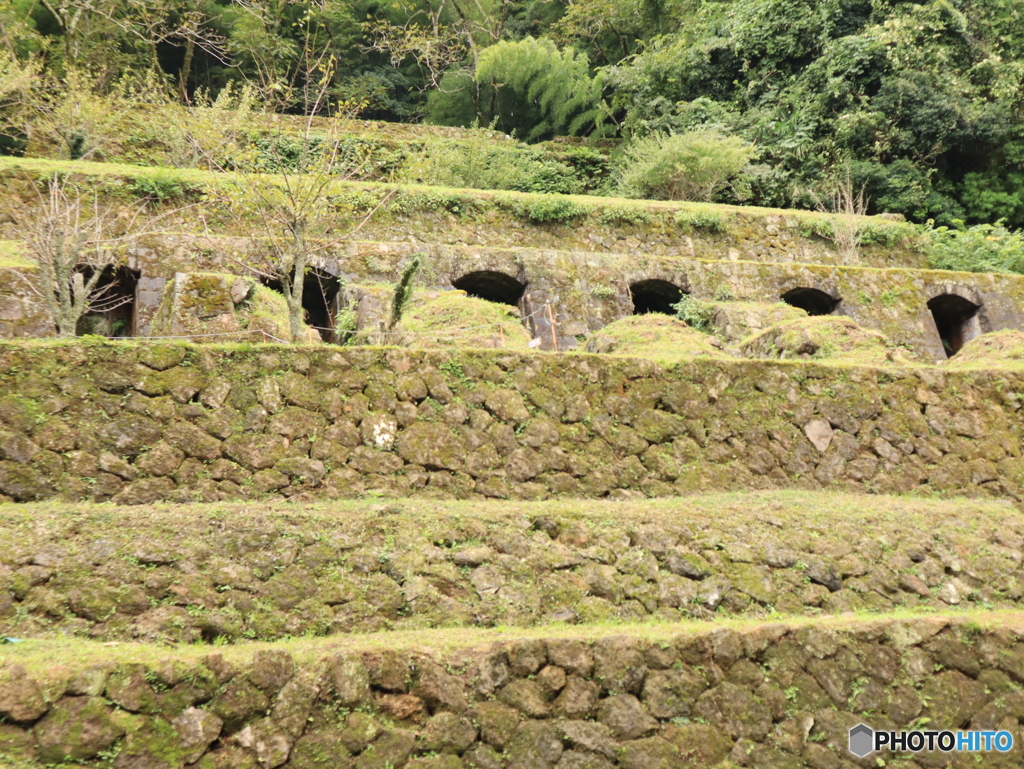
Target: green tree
[555,88]
[692,166]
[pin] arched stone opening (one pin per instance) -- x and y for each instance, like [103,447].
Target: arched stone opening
[492,286]
[655,296]
[112,311]
[320,293]
[811,300]
[956,320]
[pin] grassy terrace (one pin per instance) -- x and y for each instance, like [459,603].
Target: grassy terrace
[202,179]
[39,656]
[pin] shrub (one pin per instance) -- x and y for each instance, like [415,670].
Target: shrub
[818,226]
[624,215]
[888,234]
[356,201]
[705,221]
[696,314]
[981,248]
[543,209]
[691,166]
[592,168]
[407,202]
[355,156]
[160,187]
[492,166]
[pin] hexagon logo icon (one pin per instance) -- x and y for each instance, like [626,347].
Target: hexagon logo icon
[862,740]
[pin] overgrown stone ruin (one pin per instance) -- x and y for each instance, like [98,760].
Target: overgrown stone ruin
[637,489]
[567,279]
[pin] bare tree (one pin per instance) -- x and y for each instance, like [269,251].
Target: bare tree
[291,216]
[434,46]
[847,204]
[72,241]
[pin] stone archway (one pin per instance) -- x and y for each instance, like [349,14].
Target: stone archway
[113,309]
[320,292]
[956,320]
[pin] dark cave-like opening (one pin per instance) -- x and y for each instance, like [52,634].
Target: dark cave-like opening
[811,300]
[112,306]
[655,296]
[952,315]
[492,286]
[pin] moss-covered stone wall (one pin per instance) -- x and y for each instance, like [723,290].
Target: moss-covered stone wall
[780,695]
[507,219]
[140,423]
[22,313]
[227,573]
[586,290]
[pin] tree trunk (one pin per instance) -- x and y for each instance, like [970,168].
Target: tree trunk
[186,70]
[293,298]
[467,29]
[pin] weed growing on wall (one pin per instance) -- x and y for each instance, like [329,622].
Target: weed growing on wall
[620,215]
[696,314]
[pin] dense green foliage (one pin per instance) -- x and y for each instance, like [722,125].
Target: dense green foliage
[918,102]
[506,166]
[696,165]
[921,100]
[553,87]
[981,248]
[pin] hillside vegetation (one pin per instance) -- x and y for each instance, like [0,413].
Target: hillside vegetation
[783,103]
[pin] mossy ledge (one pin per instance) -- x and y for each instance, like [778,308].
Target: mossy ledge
[656,697]
[140,423]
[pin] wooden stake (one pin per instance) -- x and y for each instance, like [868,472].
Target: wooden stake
[551,325]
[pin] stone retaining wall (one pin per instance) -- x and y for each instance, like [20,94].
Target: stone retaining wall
[141,423]
[226,573]
[772,696]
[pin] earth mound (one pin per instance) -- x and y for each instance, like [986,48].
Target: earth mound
[653,336]
[454,319]
[823,338]
[1000,348]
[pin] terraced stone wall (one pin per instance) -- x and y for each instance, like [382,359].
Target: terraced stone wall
[776,695]
[140,423]
[263,571]
[570,293]
[21,314]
